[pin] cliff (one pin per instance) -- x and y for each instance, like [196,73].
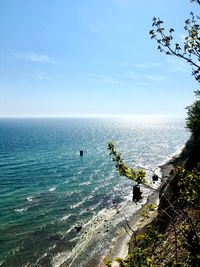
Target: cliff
[172,238]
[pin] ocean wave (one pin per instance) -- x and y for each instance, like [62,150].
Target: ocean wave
[85,183]
[103,226]
[64,218]
[95,190]
[65,233]
[30,199]
[78,204]
[82,201]
[52,189]
[22,210]
[42,257]
[66,182]
[91,209]
[52,247]
[68,194]
[94,228]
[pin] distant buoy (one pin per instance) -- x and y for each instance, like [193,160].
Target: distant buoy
[81,153]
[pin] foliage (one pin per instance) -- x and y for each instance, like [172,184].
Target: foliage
[179,246]
[144,251]
[140,254]
[145,213]
[191,244]
[135,175]
[189,51]
[193,119]
[189,186]
[197,1]
[107,262]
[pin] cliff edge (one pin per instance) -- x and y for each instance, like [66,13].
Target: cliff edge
[172,238]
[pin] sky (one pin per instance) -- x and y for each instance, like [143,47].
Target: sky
[91,58]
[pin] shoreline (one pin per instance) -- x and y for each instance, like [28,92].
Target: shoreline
[97,235]
[121,247]
[105,235]
[136,223]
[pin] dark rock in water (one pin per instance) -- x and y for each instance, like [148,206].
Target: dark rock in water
[81,153]
[155,177]
[78,227]
[137,194]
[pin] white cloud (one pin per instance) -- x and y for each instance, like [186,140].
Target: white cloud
[147,65]
[154,78]
[96,78]
[143,66]
[143,79]
[34,57]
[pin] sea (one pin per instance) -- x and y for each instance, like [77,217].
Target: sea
[47,188]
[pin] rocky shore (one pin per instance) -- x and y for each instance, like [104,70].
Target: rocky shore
[188,157]
[120,245]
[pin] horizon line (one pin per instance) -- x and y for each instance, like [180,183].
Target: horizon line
[128,116]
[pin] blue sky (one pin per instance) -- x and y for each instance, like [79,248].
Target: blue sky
[62,58]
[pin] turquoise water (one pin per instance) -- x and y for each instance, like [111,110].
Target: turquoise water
[46,187]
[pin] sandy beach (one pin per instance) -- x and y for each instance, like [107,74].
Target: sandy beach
[119,245]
